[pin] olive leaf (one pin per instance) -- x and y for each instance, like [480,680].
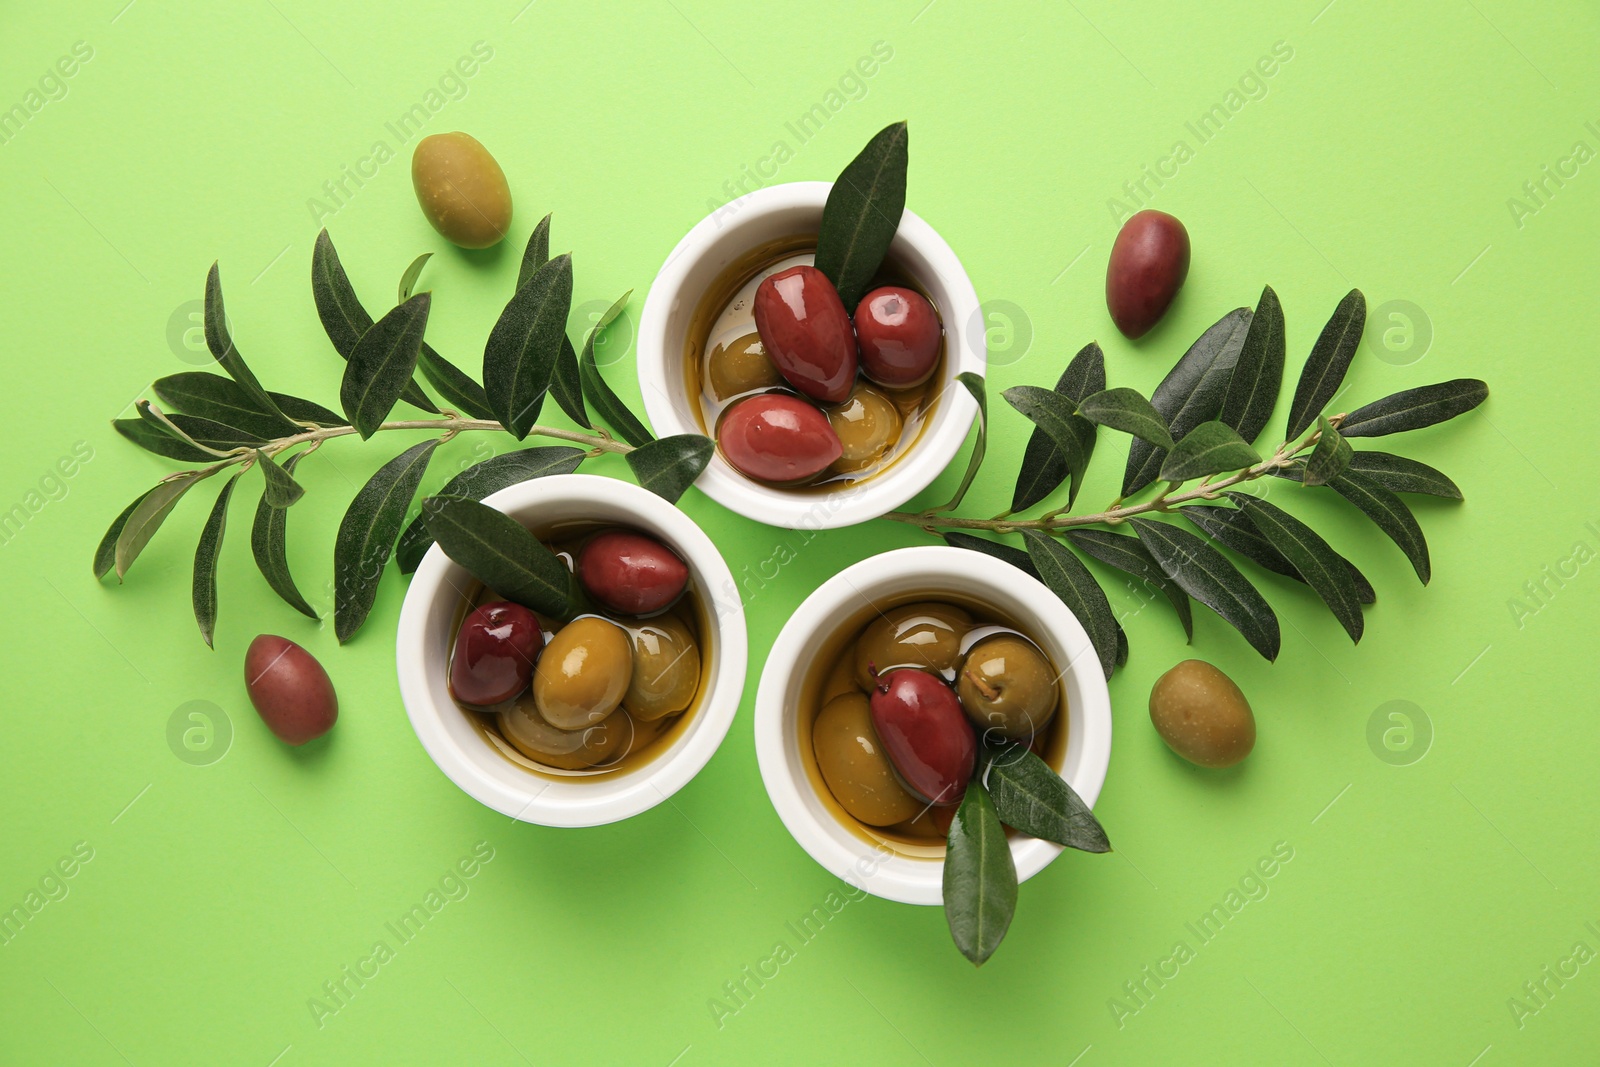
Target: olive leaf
[1031,797]
[980,879]
[1330,358]
[536,254]
[203,593]
[306,411]
[269,546]
[223,350]
[566,385]
[222,401]
[974,385]
[1233,529]
[160,423]
[281,489]
[454,384]
[381,364]
[147,516]
[1127,554]
[1257,377]
[408,280]
[105,553]
[1390,514]
[154,439]
[669,466]
[1069,579]
[1330,456]
[1412,409]
[1207,576]
[213,435]
[500,552]
[607,404]
[1210,448]
[1127,410]
[1401,475]
[1052,414]
[367,534]
[1316,562]
[1044,466]
[862,213]
[1014,556]
[522,348]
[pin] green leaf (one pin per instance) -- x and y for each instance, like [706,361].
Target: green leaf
[269,546]
[1127,554]
[607,404]
[105,553]
[1044,466]
[1029,796]
[975,386]
[1014,556]
[1390,514]
[1412,409]
[1205,574]
[1055,416]
[566,385]
[147,516]
[367,533]
[500,552]
[537,254]
[382,363]
[481,479]
[1401,475]
[1329,458]
[1069,579]
[154,439]
[454,385]
[862,213]
[522,349]
[221,400]
[1191,393]
[1327,572]
[1233,529]
[1210,448]
[281,489]
[343,318]
[1127,410]
[1122,646]
[669,466]
[220,342]
[1329,360]
[980,879]
[306,411]
[408,280]
[204,591]
[1257,377]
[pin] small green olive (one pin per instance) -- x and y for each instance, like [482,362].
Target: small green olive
[917,635]
[868,425]
[583,673]
[666,668]
[609,739]
[1202,716]
[741,366]
[854,765]
[1007,686]
[462,190]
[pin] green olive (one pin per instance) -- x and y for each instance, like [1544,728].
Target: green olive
[666,668]
[855,766]
[522,725]
[583,672]
[1007,686]
[916,635]
[462,190]
[868,425]
[742,366]
[1202,716]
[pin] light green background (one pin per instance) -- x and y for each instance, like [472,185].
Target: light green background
[1419,898]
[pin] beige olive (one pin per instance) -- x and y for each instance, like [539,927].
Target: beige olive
[583,673]
[1007,687]
[916,635]
[855,766]
[868,425]
[604,742]
[741,366]
[462,190]
[1202,715]
[666,668]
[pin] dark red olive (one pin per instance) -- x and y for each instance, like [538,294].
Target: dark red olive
[898,333]
[778,438]
[496,649]
[806,332]
[1149,262]
[290,690]
[631,573]
[927,738]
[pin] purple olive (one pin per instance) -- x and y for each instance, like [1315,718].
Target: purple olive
[1149,262]
[806,332]
[495,651]
[290,690]
[898,332]
[925,734]
[631,573]
[778,438]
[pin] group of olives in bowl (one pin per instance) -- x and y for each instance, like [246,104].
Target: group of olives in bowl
[601,688]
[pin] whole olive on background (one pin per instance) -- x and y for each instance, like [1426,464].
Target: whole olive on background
[523,726]
[741,366]
[1202,716]
[631,572]
[806,332]
[867,424]
[928,739]
[666,668]
[1007,686]
[289,689]
[494,654]
[1148,265]
[913,635]
[898,335]
[583,673]
[777,438]
[855,766]
[462,190]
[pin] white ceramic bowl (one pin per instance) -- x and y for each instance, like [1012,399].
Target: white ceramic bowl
[765,215]
[924,573]
[423,650]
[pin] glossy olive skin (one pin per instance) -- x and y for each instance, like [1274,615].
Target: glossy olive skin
[913,635]
[606,741]
[494,655]
[806,333]
[926,736]
[583,673]
[291,692]
[1148,265]
[867,424]
[666,669]
[741,366]
[630,572]
[898,334]
[854,764]
[1202,716]
[1007,687]
[777,438]
[462,190]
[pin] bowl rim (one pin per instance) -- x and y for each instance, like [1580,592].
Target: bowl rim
[941,440]
[935,569]
[525,796]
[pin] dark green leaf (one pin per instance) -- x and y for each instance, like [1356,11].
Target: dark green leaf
[1014,556]
[1044,466]
[307,411]
[537,254]
[500,552]
[1210,448]
[1401,475]
[221,400]
[1122,646]
[367,533]
[147,516]
[975,386]
[1329,458]
[1390,514]
[1258,375]
[1127,554]
[454,384]
[204,592]
[1233,529]
[1327,572]
[862,213]
[220,342]
[408,280]
[566,385]
[607,404]
[1207,576]
[1070,580]
[153,439]
[1329,360]
[1029,796]
[1055,416]
[1412,409]
[523,346]
[281,489]
[382,363]
[980,880]
[105,553]
[669,466]
[343,318]
[214,434]
[1127,410]
[268,543]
